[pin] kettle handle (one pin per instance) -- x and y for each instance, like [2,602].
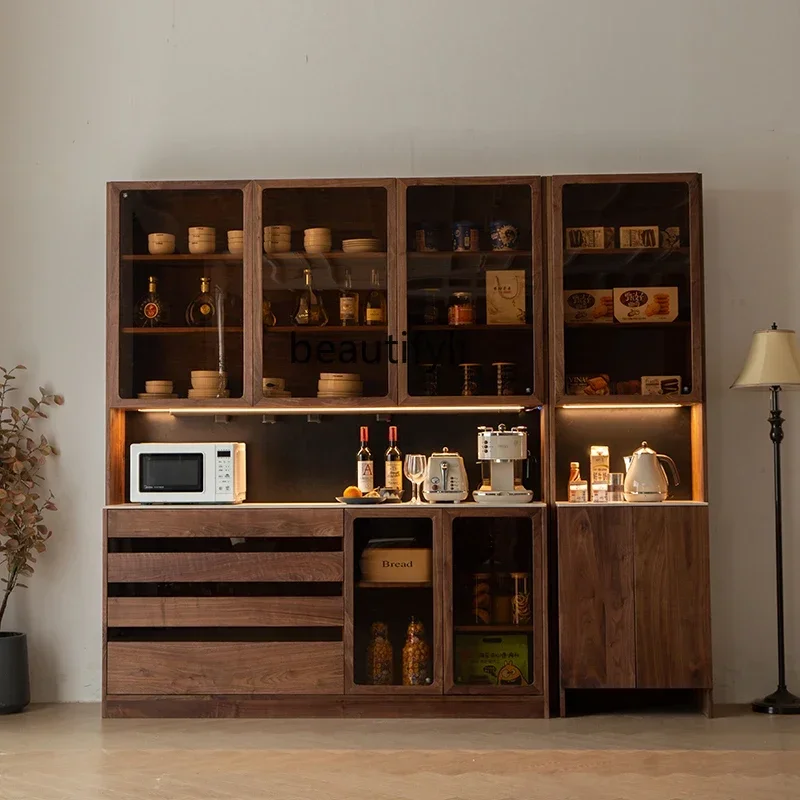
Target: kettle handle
[675,476]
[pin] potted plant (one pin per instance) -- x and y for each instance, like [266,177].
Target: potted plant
[23,532]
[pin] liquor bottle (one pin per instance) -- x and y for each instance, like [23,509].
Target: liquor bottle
[151,311]
[366,473]
[393,460]
[202,311]
[577,489]
[375,313]
[348,302]
[310,310]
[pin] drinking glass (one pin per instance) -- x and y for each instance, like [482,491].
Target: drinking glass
[415,472]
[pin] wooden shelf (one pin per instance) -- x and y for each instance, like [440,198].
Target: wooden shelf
[658,252]
[628,399]
[417,256]
[333,255]
[174,331]
[185,257]
[310,330]
[527,629]
[391,585]
[520,327]
[615,326]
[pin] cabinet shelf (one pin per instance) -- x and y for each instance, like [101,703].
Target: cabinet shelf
[188,258]
[440,254]
[656,252]
[616,326]
[326,329]
[174,331]
[391,585]
[333,255]
[526,629]
[518,327]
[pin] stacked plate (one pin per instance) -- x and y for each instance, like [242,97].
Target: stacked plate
[317,240]
[277,238]
[274,387]
[202,239]
[235,241]
[340,384]
[208,383]
[361,245]
[157,390]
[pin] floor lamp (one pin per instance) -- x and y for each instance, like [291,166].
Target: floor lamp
[772,363]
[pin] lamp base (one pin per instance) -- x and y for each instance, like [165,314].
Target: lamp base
[781,701]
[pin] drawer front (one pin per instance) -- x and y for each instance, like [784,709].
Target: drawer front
[224,612]
[236,567]
[225,668]
[231,522]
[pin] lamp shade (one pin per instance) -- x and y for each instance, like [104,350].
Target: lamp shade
[773,360]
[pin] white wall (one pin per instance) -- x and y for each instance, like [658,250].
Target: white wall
[98,90]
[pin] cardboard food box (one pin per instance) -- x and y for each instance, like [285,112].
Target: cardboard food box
[637,237]
[661,384]
[396,565]
[598,238]
[589,305]
[492,660]
[648,304]
[588,384]
[505,296]
[670,238]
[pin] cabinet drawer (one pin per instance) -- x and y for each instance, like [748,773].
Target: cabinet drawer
[225,668]
[230,522]
[235,567]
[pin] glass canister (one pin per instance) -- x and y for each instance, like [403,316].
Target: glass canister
[461,310]
[431,307]
[416,656]
[481,598]
[521,598]
[505,377]
[380,670]
[501,599]
[471,384]
[430,375]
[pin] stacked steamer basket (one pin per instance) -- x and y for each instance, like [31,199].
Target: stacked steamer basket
[361,245]
[235,242]
[317,240]
[157,390]
[340,384]
[202,240]
[274,387]
[277,238]
[208,383]
[160,244]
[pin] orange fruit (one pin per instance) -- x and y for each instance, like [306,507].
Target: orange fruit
[352,491]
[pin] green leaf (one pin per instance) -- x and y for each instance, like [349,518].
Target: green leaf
[58,399]
[21,366]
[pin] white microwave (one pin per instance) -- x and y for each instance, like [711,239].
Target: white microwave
[206,472]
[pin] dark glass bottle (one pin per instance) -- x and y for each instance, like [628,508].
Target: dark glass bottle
[393,460]
[365,474]
[202,311]
[375,312]
[310,310]
[151,311]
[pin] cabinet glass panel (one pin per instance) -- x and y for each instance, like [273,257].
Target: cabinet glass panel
[627,282]
[393,608]
[325,293]
[469,283]
[493,602]
[180,294]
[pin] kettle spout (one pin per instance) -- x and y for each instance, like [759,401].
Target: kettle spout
[628,461]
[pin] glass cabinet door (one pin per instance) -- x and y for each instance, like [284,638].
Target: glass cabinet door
[470,291]
[179,273]
[626,288]
[327,292]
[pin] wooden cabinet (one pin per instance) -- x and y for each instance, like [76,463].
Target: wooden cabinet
[634,607]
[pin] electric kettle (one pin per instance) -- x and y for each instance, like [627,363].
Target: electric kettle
[445,478]
[645,479]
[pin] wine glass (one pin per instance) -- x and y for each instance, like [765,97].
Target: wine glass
[415,472]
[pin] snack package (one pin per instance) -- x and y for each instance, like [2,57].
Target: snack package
[597,238]
[589,305]
[661,384]
[588,384]
[647,304]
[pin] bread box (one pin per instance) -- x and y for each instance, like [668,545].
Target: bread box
[395,561]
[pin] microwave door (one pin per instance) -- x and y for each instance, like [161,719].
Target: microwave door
[174,473]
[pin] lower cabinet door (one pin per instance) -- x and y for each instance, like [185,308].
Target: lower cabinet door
[673,618]
[596,597]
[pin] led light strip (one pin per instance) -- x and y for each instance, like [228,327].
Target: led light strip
[606,406]
[271,411]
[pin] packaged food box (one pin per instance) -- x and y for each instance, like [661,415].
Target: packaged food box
[637,237]
[670,238]
[589,305]
[648,304]
[598,238]
[491,660]
[505,296]
[661,384]
[588,384]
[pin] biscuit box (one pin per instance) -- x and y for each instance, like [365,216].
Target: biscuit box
[598,238]
[648,304]
[505,296]
[661,384]
[588,384]
[637,237]
[491,660]
[589,305]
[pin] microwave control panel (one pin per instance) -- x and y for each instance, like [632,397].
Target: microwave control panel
[224,471]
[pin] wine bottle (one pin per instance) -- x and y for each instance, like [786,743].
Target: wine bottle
[348,302]
[375,313]
[202,311]
[151,311]
[310,310]
[393,460]
[365,472]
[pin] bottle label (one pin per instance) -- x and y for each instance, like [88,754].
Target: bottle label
[347,308]
[366,476]
[374,315]
[205,309]
[394,476]
[150,310]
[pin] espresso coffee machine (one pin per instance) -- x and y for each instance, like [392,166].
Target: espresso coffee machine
[501,454]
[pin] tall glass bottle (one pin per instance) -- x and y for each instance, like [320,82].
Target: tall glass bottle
[348,302]
[375,313]
[150,310]
[202,311]
[393,460]
[310,310]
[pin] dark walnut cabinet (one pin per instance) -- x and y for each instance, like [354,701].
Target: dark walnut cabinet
[634,597]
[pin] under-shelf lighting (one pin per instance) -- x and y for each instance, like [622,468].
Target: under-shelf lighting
[637,406]
[260,411]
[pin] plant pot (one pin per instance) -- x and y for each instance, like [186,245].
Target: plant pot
[15,689]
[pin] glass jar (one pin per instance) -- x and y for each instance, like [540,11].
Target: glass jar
[471,384]
[380,670]
[481,598]
[430,309]
[461,310]
[416,656]
[430,374]
[505,377]
[501,599]
[521,598]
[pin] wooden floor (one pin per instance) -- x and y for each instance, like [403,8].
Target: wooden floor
[66,752]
